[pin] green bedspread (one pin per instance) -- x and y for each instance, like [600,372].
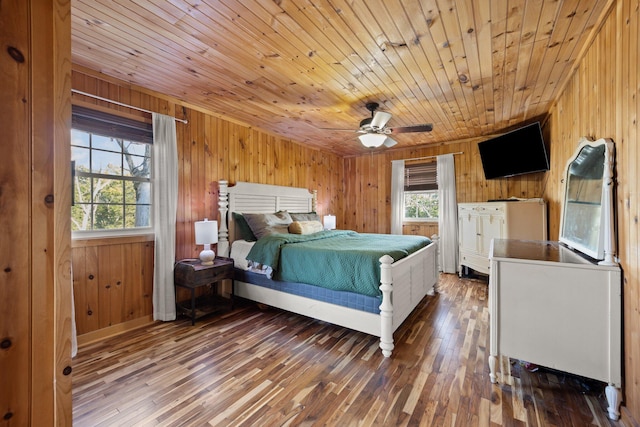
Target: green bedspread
[337,259]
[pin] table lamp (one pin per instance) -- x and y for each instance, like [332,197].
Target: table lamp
[206,234]
[329,222]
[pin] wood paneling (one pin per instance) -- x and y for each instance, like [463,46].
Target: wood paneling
[602,100]
[599,100]
[112,282]
[368,178]
[472,68]
[209,149]
[35,282]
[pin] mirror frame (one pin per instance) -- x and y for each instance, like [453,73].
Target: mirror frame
[606,247]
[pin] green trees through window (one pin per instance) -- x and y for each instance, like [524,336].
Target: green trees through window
[112,182]
[421,205]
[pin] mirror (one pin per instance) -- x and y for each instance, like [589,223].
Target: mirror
[586,223]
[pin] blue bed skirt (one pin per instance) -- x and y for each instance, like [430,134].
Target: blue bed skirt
[352,300]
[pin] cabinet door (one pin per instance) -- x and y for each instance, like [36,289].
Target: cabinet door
[491,227]
[468,230]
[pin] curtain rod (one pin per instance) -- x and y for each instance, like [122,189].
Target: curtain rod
[120,103]
[431,157]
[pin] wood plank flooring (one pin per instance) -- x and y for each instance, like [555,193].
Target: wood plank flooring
[266,367]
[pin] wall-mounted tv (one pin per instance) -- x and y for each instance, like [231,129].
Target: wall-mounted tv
[514,153]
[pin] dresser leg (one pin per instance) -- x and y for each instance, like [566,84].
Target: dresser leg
[493,362]
[613,398]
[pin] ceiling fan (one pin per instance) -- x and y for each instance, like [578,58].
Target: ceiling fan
[375,132]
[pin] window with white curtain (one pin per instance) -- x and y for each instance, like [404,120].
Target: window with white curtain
[420,195]
[111,158]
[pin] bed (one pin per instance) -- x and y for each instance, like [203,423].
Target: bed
[403,283]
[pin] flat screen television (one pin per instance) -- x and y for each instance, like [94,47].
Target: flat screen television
[514,153]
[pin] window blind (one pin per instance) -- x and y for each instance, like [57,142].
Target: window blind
[111,125]
[420,177]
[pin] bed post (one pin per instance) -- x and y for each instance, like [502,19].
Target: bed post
[386,308]
[223,207]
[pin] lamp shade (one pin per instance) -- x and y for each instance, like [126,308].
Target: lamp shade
[372,140]
[329,222]
[206,232]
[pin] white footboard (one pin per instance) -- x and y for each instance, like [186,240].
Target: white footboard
[408,280]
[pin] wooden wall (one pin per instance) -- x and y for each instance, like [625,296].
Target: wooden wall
[602,101]
[35,281]
[210,148]
[113,283]
[368,185]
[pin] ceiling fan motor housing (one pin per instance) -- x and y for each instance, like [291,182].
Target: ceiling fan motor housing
[365,123]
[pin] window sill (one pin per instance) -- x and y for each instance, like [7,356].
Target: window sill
[420,221]
[79,240]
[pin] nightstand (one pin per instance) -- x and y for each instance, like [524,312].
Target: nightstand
[191,274]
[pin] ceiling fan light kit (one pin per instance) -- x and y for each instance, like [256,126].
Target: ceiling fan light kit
[372,140]
[374,131]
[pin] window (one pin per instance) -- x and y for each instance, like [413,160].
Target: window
[111,158]
[421,192]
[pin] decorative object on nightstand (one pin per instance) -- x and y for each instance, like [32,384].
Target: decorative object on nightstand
[192,274]
[329,222]
[206,234]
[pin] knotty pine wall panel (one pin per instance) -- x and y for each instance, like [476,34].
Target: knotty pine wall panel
[210,148]
[601,101]
[35,282]
[368,186]
[112,281]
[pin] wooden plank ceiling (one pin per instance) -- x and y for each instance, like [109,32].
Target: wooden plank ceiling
[295,68]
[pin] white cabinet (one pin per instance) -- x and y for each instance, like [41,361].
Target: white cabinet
[552,307]
[479,223]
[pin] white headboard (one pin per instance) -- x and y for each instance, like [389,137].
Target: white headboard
[247,197]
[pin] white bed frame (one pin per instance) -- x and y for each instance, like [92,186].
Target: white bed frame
[403,283]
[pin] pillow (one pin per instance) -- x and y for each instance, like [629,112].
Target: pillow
[265,224]
[242,229]
[310,216]
[305,227]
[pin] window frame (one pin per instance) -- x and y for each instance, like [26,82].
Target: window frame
[94,122]
[406,219]
[420,178]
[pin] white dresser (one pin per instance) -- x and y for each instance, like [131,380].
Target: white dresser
[479,223]
[552,307]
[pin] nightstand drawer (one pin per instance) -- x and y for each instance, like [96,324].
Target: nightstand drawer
[194,274]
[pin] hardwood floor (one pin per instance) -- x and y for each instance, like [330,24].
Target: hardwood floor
[272,368]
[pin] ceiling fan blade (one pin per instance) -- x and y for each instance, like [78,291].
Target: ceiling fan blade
[389,142]
[337,130]
[427,127]
[380,119]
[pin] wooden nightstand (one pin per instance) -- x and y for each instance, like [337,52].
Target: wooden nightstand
[191,275]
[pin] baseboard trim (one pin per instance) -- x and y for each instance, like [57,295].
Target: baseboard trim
[110,331]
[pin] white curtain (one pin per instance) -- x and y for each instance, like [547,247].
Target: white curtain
[448,214]
[397,196]
[165,203]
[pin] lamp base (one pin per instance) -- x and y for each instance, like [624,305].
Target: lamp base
[207,256]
